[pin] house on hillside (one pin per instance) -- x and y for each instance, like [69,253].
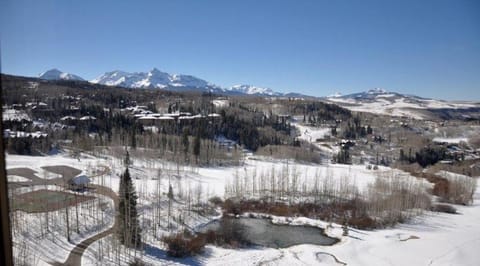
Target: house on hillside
[79,183]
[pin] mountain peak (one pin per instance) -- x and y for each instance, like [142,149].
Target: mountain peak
[55,74]
[157,79]
[155,70]
[376,91]
[252,90]
[151,79]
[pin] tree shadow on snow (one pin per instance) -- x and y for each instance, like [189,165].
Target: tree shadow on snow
[160,254]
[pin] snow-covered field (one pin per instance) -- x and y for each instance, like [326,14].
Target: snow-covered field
[450,140]
[16,178]
[34,241]
[387,104]
[39,243]
[431,239]
[311,134]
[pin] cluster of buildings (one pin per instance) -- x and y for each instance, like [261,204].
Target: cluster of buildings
[149,118]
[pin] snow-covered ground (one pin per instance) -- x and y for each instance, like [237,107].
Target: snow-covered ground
[387,104]
[39,245]
[434,238]
[16,178]
[430,239]
[450,140]
[311,134]
[36,163]
[31,240]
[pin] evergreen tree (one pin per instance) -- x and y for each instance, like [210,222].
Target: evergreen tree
[128,225]
[127,161]
[343,156]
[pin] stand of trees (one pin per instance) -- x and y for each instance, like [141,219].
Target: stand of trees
[426,156]
[390,199]
[343,156]
[28,145]
[354,129]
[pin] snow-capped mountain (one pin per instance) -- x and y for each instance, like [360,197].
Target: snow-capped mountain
[55,74]
[162,80]
[252,90]
[381,101]
[156,79]
[372,95]
[152,79]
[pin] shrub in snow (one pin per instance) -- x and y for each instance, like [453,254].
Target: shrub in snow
[137,262]
[393,199]
[460,189]
[215,200]
[444,208]
[181,245]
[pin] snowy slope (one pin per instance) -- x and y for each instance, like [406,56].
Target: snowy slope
[55,74]
[430,239]
[380,101]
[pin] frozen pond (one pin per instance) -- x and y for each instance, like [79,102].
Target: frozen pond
[263,232]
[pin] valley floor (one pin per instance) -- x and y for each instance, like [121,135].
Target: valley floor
[430,239]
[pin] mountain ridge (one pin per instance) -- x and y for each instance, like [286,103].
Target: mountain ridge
[157,79]
[381,101]
[55,74]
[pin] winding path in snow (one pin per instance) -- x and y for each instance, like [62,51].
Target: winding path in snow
[75,257]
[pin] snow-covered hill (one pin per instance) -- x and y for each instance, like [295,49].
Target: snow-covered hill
[381,101]
[55,74]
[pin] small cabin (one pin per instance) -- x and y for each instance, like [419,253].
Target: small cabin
[79,183]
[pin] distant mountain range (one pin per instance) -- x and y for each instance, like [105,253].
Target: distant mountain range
[156,79]
[381,101]
[377,100]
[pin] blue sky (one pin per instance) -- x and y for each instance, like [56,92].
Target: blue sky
[427,48]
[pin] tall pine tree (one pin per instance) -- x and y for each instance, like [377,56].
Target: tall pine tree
[129,228]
